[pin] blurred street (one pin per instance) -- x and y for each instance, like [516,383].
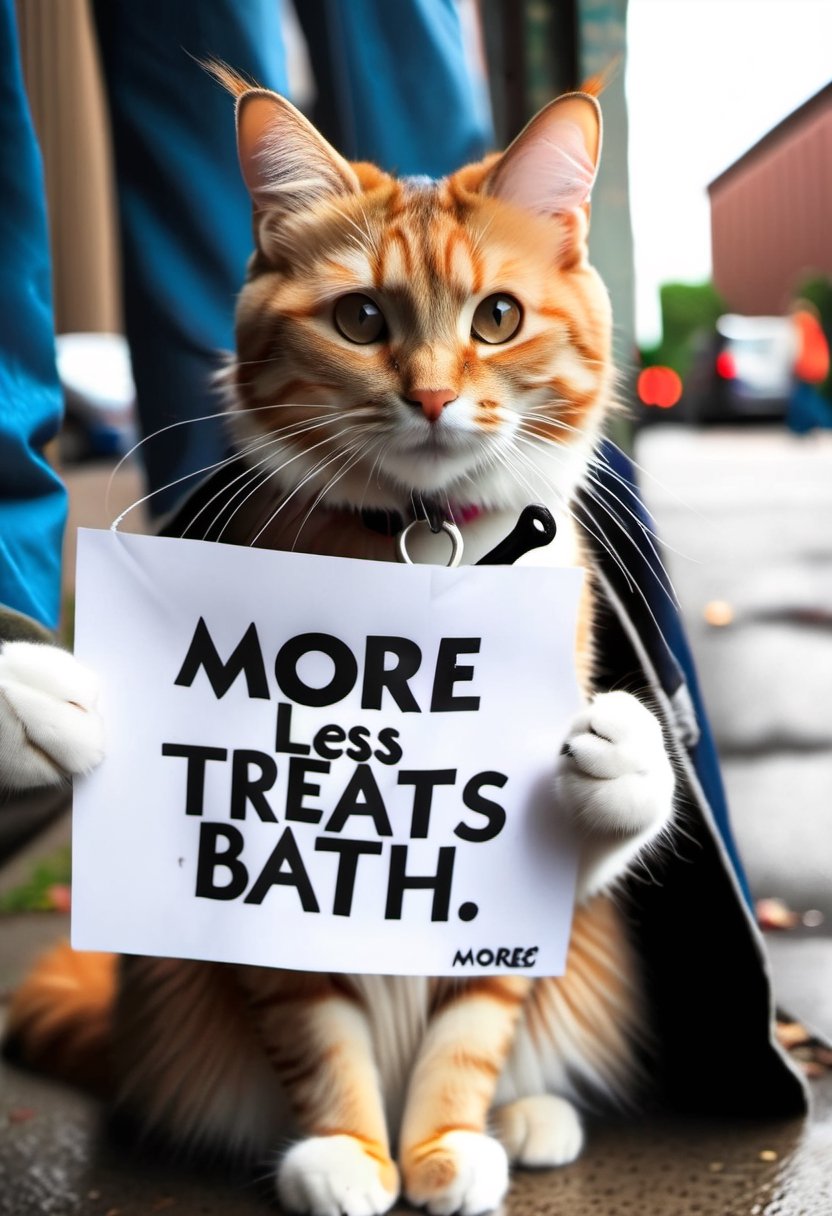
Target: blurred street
[745,515]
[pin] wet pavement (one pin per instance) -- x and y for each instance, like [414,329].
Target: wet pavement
[57,1157]
[744,515]
[748,514]
[666,1170]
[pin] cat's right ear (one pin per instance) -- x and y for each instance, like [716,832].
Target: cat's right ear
[286,164]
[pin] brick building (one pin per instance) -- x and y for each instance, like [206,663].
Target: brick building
[771,212]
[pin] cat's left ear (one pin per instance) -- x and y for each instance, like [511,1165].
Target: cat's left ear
[551,166]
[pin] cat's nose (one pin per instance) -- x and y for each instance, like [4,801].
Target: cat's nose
[431,401]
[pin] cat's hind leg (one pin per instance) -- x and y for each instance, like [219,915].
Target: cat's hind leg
[616,781]
[540,1131]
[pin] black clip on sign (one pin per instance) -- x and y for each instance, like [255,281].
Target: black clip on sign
[535,528]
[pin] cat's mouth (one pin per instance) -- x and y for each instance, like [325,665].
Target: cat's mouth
[439,438]
[437,443]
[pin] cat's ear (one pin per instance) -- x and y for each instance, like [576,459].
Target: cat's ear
[286,165]
[285,162]
[551,166]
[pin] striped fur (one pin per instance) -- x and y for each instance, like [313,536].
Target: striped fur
[369,1076]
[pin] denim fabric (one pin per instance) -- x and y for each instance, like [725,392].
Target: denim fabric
[400,90]
[184,212]
[32,499]
[397,76]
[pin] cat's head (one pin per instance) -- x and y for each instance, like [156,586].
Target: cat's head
[407,335]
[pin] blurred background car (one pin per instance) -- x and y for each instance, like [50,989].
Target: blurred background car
[743,373]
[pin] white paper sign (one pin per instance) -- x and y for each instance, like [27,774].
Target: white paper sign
[322,763]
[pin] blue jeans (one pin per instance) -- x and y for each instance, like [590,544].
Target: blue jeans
[32,499]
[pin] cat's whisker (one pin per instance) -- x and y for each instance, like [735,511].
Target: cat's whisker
[233,412]
[218,464]
[270,441]
[625,485]
[505,461]
[274,441]
[681,502]
[260,478]
[354,455]
[591,475]
[321,464]
[478,239]
[281,437]
[593,485]
[549,420]
[602,539]
[661,574]
[383,447]
[272,473]
[225,489]
[228,413]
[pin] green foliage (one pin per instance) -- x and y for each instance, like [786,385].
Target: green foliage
[817,290]
[33,895]
[66,630]
[689,314]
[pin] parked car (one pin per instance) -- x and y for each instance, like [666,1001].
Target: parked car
[745,373]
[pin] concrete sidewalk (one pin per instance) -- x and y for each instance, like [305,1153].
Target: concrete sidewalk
[744,516]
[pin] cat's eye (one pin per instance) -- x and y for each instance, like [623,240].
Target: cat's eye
[359,319]
[497,319]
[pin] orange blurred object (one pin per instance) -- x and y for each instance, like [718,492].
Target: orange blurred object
[659,386]
[812,362]
[60,897]
[775,914]
[718,612]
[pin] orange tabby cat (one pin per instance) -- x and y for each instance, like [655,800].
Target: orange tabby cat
[400,341]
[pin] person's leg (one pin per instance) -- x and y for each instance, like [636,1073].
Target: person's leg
[399,85]
[32,498]
[185,214]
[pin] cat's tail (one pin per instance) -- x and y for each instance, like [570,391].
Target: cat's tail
[60,1019]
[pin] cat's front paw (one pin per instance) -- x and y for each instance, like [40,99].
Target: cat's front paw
[49,725]
[616,781]
[459,1171]
[336,1176]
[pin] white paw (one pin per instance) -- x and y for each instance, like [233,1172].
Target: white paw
[615,775]
[49,725]
[460,1171]
[540,1131]
[616,781]
[333,1175]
